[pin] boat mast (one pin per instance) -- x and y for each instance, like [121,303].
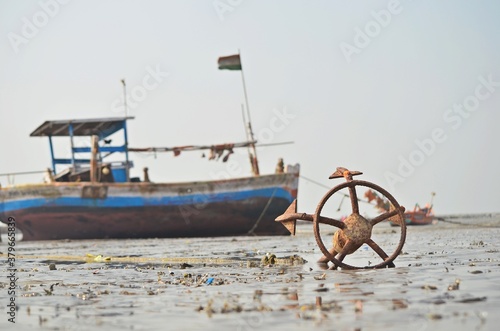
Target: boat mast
[253,158]
[246,129]
[125,97]
[432,199]
[127,168]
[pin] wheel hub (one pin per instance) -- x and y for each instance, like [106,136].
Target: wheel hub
[358,229]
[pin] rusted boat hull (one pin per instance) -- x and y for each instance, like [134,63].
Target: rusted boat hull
[245,206]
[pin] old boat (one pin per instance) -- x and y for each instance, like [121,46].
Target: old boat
[95,198]
[417,216]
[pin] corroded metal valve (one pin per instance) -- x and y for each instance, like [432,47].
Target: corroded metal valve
[355,230]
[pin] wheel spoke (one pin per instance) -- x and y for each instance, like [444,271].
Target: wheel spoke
[341,257]
[383,217]
[377,249]
[325,259]
[380,252]
[331,221]
[354,199]
[348,248]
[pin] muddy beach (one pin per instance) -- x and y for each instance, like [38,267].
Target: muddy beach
[447,277]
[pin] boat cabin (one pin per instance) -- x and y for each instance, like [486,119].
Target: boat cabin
[98,167]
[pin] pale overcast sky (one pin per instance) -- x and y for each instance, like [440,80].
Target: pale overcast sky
[406,91]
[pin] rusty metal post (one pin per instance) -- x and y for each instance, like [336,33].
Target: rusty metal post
[93,158]
[146,175]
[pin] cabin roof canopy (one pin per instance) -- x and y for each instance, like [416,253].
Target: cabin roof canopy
[102,127]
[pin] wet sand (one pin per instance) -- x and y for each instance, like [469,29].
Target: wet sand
[447,277]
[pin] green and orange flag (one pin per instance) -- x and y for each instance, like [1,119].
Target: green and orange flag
[231,62]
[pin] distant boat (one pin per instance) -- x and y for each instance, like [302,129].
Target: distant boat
[417,216]
[96,198]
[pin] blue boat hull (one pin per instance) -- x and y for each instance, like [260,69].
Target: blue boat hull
[245,206]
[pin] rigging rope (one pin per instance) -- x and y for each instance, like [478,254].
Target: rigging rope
[251,231]
[329,188]
[482,225]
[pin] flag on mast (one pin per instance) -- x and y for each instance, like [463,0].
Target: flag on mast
[231,62]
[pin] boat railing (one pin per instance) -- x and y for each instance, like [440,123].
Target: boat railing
[11,176]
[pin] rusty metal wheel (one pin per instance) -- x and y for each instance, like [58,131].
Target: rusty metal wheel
[356,230]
